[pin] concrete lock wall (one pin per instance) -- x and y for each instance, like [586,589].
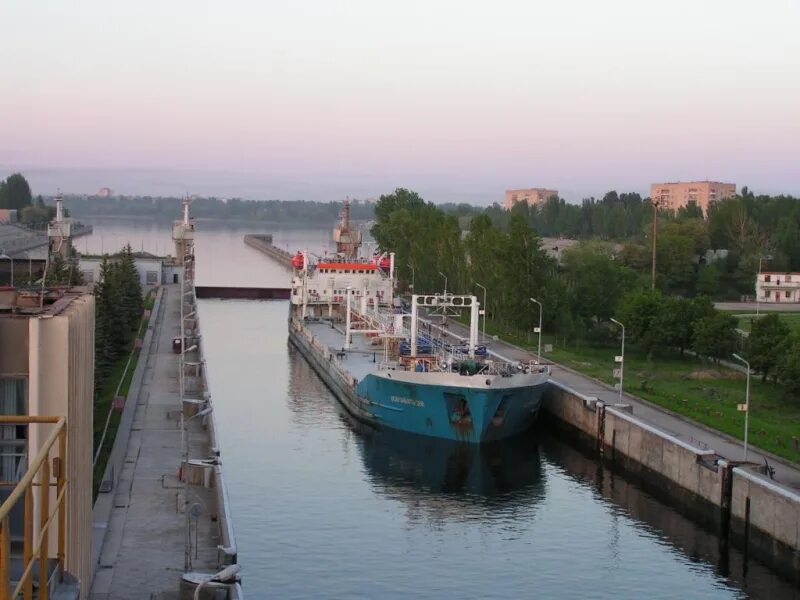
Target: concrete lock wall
[761,515]
[767,516]
[572,408]
[691,469]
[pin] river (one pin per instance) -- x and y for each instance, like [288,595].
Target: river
[326,508]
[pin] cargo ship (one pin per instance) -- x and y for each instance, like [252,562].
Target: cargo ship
[395,368]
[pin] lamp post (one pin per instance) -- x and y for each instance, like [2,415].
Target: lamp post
[445,283]
[7,257]
[746,402]
[758,279]
[621,359]
[655,238]
[411,266]
[539,331]
[484,310]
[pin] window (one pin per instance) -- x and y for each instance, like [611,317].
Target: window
[13,438]
[767,278]
[151,277]
[766,294]
[788,294]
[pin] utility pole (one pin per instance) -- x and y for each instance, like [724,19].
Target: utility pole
[655,237]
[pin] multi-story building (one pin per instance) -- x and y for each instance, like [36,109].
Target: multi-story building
[46,432]
[778,287]
[672,196]
[532,196]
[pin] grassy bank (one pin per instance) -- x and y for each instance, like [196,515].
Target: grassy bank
[122,378]
[695,388]
[746,320]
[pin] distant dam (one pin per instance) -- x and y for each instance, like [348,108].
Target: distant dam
[263,243]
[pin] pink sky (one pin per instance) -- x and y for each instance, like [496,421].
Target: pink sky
[456,98]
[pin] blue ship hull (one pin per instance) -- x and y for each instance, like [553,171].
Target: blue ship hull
[451,406]
[453,412]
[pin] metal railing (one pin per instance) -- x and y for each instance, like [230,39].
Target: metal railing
[36,551]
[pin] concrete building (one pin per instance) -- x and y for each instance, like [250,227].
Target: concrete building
[532,196]
[672,196]
[8,215]
[47,385]
[153,270]
[778,287]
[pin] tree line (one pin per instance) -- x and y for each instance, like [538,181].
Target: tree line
[162,208]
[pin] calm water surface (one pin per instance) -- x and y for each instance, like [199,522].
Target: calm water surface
[326,508]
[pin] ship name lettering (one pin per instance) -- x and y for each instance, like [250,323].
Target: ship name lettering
[408,401]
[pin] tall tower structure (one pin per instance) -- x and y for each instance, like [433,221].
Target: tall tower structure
[183,236]
[348,240]
[59,232]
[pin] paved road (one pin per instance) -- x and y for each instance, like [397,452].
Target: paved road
[684,429]
[751,307]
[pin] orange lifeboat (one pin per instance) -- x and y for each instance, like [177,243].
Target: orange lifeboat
[298,261]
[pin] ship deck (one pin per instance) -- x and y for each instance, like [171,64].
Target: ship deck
[362,358]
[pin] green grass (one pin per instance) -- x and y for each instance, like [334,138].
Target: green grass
[689,386]
[791,319]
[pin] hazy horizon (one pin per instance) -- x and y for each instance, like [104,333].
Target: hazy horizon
[456,100]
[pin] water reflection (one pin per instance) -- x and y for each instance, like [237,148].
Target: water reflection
[452,479]
[656,517]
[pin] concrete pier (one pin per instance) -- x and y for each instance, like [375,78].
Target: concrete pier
[141,524]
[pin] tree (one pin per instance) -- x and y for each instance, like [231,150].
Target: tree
[130,288]
[640,311]
[15,193]
[788,367]
[766,343]
[672,324]
[596,279]
[675,254]
[63,272]
[708,280]
[715,336]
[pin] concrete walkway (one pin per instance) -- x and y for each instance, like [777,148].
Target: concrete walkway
[143,551]
[685,429]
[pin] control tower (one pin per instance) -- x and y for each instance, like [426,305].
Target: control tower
[59,232]
[183,236]
[348,240]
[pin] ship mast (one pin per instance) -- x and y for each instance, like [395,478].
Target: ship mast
[348,240]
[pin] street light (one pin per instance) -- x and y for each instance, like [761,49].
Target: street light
[621,360]
[758,278]
[746,402]
[484,310]
[539,331]
[411,266]
[445,283]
